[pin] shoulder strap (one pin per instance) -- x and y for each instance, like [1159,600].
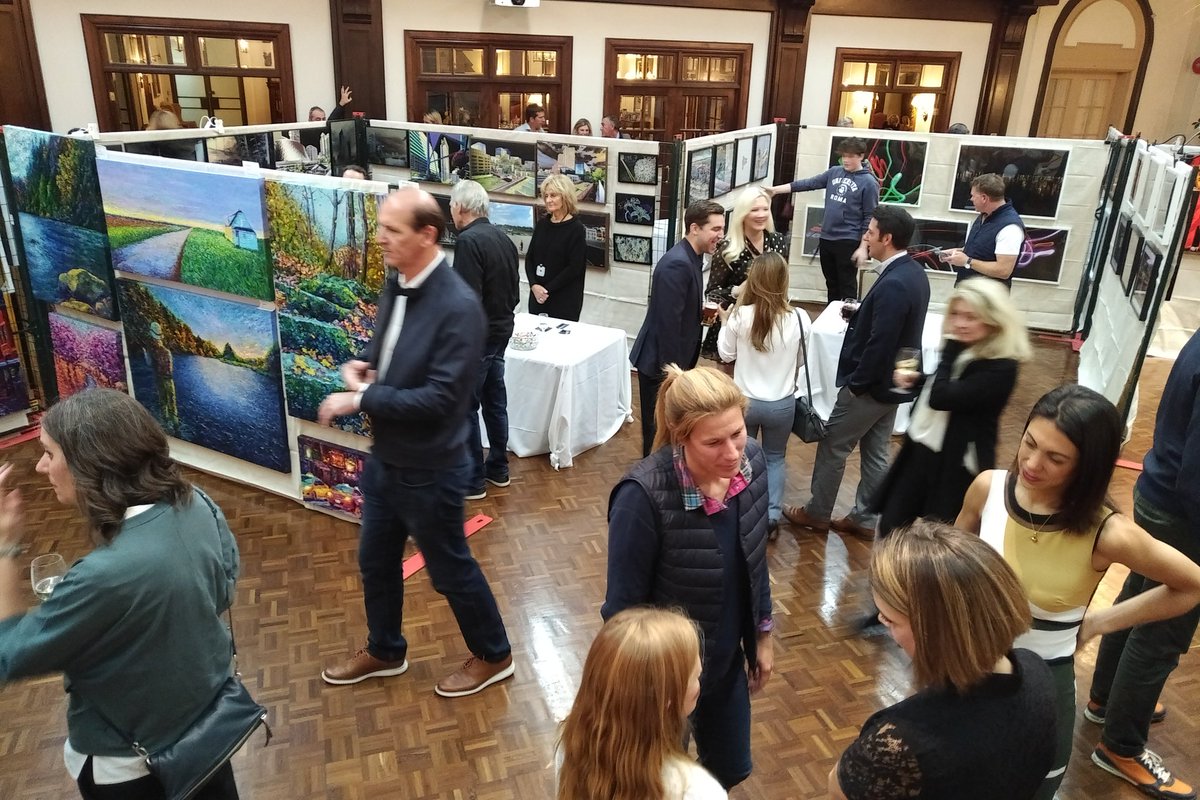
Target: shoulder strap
[802,357]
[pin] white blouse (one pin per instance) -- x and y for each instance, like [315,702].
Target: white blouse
[770,375]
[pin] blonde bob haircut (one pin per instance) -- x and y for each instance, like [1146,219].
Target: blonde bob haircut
[735,237]
[686,397]
[627,719]
[963,601]
[1009,338]
[561,185]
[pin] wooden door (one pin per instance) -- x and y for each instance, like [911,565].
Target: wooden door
[1080,104]
[22,93]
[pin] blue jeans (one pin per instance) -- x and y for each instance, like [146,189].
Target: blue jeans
[426,504]
[492,396]
[721,724]
[774,420]
[1133,665]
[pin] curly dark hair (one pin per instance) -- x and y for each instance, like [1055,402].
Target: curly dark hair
[118,456]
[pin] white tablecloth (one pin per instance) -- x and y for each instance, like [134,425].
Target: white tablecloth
[569,394]
[825,346]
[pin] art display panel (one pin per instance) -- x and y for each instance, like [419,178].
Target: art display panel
[56,197]
[203,226]
[503,167]
[436,157]
[898,165]
[700,180]
[637,168]
[584,165]
[207,369]
[330,475]
[329,271]
[86,355]
[635,209]
[633,249]
[1033,177]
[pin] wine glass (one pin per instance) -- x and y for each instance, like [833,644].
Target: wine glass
[908,364]
[46,572]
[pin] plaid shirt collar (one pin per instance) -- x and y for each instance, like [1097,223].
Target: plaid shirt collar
[693,498]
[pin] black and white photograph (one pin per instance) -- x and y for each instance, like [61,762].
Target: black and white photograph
[235,150]
[635,209]
[387,153]
[723,169]
[637,168]
[1144,278]
[700,164]
[1033,177]
[1120,244]
[762,156]
[633,249]
[744,168]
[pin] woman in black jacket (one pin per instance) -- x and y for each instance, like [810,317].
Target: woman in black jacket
[556,261]
[951,436]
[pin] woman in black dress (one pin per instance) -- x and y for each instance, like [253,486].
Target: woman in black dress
[556,262]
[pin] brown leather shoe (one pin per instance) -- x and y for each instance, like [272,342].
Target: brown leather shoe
[847,525]
[475,675]
[363,665]
[797,515]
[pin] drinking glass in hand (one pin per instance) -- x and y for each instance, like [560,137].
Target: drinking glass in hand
[45,573]
[908,366]
[849,306]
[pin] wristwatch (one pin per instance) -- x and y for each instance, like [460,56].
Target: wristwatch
[968,264]
[13,550]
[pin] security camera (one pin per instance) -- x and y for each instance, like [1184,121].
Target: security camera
[519,3]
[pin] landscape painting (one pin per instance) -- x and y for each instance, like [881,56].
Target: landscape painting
[329,476]
[637,168]
[514,219]
[86,355]
[898,165]
[203,226]
[699,175]
[1033,177]
[438,157]
[503,167]
[584,165]
[328,274]
[56,195]
[208,370]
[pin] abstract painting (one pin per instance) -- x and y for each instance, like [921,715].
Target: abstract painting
[635,209]
[329,476]
[328,274]
[256,148]
[723,169]
[86,355]
[14,394]
[503,167]
[1145,272]
[1041,256]
[700,163]
[438,157]
[932,235]
[762,156]
[743,171]
[208,370]
[898,165]
[637,168]
[196,224]
[56,195]
[1033,177]
[632,249]
[584,165]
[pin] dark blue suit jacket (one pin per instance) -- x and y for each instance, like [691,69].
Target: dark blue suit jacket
[891,316]
[671,330]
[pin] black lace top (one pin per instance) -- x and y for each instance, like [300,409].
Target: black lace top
[724,274]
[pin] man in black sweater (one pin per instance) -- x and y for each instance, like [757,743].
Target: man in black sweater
[487,260]
[416,384]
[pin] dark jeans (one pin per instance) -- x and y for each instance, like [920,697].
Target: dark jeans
[648,386]
[426,504]
[220,787]
[492,396]
[841,274]
[1133,665]
[721,725]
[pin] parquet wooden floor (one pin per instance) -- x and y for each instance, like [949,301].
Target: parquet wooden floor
[299,606]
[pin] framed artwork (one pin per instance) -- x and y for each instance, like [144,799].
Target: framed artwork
[743,171]
[516,220]
[503,167]
[291,155]
[387,153]
[584,165]
[814,217]
[329,476]
[207,369]
[700,165]
[1033,177]
[723,162]
[637,168]
[256,148]
[1041,256]
[635,209]
[934,234]
[898,165]
[201,225]
[633,249]
[86,355]
[179,149]
[1131,260]
[437,157]
[449,233]
[1120,244]
[597,226]
[762,156]
[344,135]
[1144,279]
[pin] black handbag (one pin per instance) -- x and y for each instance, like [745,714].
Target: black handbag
[807,424]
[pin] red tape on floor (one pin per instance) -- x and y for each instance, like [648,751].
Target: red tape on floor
[1127,464]
[416,563]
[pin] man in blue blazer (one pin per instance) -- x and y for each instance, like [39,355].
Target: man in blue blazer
[417,384]
[670,332]
[891,316]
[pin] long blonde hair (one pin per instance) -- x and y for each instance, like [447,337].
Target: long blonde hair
[992,302]
[735,237]
[767,290]
[686,397]
[628,717]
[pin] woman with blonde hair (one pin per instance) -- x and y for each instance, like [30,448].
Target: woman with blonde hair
[751,233]
[761,335]
[556,261]
[582,127]
[981,723]
[951,437]
[623,739]
[687,529]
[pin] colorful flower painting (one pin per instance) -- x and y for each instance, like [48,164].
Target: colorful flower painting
[86,355]
[199,224]
[329,476]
